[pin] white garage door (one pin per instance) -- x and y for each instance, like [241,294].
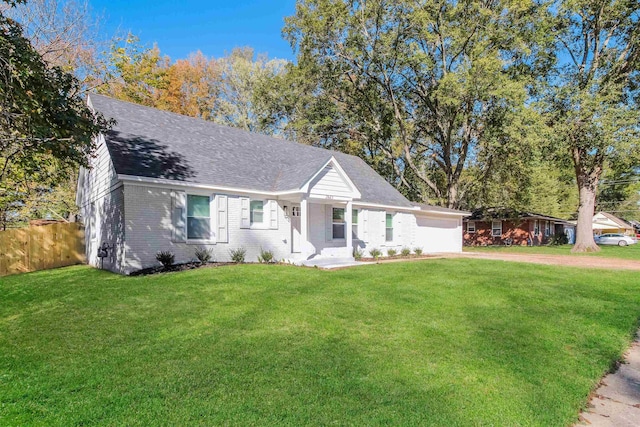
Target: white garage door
[438,235]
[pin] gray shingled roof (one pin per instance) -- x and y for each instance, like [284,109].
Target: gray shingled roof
[151,143]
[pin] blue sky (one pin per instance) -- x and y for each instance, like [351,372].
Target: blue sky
[213,27]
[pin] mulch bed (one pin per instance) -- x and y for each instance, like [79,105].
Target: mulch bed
[194,265]
[396,258]
[178,267]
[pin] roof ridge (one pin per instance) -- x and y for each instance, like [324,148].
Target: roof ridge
[155,143]
[221,126]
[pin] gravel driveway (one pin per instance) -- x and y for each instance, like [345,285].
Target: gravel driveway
[584,261]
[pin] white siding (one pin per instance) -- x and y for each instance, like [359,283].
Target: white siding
[373,233]
[436,234]
[100,177]
[320,226]
[329,183]
[431,233]
[101,205]
[149,228]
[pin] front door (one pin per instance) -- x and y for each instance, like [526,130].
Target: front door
[295,229]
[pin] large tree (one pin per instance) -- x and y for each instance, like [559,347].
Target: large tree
[191,86]
[241,72]
[421,89]
[136,73]
[223,90]
[592,101]
[66,34]
[45,126]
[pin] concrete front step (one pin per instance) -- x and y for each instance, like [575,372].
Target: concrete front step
[331,262]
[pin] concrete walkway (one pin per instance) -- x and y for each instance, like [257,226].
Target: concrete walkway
[332,263]
[616,402]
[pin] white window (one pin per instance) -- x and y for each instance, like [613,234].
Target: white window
[547,228]
[389,228]
[471,227]
[536,227]
[338,223]
[198,217]
[256,212]
[496,228]
[354,223]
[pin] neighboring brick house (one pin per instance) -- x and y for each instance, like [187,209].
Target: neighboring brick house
[161,181]
[504,226]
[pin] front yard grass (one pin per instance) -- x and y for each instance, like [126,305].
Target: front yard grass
[607,251]
[440,342]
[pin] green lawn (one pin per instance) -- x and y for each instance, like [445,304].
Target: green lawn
[628,252]
[439,342]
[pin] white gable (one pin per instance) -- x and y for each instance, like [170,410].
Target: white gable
[329,182]
[603,222]
[603,219]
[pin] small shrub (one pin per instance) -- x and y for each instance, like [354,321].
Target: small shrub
[375,253]
[204,255]
[559,239]
[405,252]
[265,257]
[357,254]
[391,252]
[165,258]
[237,255]
[417,251]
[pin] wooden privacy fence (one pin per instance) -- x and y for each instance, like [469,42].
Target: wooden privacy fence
[41,248]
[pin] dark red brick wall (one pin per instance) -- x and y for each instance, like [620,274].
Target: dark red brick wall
[518,231]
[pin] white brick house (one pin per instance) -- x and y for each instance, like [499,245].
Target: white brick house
[161,181]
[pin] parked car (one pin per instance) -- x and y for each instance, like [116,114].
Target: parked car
[615,239]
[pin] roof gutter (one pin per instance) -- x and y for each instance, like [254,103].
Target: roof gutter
[438,212]
[170,183]
[163,182]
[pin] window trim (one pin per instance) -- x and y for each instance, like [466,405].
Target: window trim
[193,241]
[386,228]
[253,224]
[354,224]
[343,223]
[469,230]
[493,234]
[536,227]
[547,228]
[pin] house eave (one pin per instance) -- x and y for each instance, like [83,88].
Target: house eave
[170,183]
[460,214]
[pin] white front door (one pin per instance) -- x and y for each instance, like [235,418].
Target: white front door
[295,229]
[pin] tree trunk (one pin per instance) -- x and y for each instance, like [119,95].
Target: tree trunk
[452,195]
[584,230]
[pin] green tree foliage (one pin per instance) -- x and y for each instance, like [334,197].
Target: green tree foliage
[421,91]
[241,73]
[65,34]
[619,190]
[45,126]
[135,73]
[591,102]
[223,90]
